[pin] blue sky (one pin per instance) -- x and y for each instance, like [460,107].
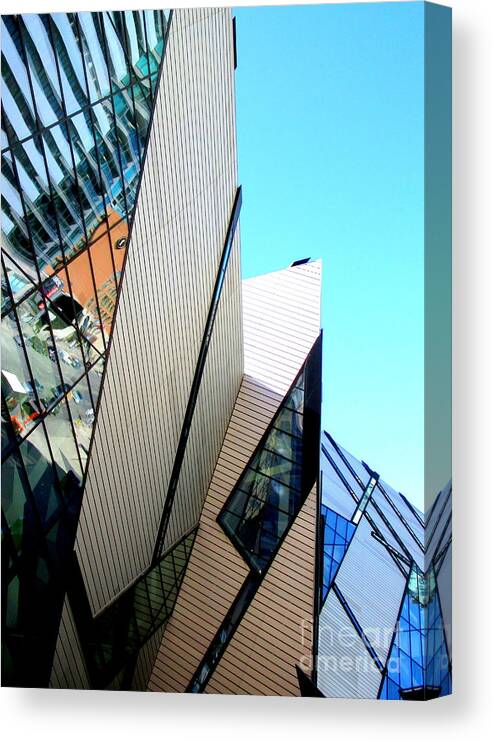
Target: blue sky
[330,147]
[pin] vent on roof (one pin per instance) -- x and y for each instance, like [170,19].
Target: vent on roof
[300,262]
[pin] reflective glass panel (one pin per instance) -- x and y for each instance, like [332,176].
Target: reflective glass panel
[419,665]
[338,532]
[271,490]
[42,477]
[76,103]
[16,504]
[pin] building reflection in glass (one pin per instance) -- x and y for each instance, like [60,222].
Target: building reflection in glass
[77,96]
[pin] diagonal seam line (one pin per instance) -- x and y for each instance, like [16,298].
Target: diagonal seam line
[359,629]
[254,579]
[197,378]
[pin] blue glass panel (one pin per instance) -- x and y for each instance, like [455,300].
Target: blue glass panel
[423,663]
[338,533]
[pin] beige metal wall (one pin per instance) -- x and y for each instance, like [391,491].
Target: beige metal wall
[188,188]
[281,322]
[275,634]
[184,206]
[281,319]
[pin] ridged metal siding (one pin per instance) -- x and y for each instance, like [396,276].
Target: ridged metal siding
[345,668]
[69,668]
[334,493]
[281,312]
[373,586]
[216,570]
[275,633]
[281,322]
[183,210]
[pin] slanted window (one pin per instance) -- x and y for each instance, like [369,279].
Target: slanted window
[274,485]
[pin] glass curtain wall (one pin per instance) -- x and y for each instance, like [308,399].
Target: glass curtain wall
[111,640]
[77,99]
[418,667]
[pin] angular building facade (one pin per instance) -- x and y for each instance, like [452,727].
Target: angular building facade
[172,517]
[84,176]
[238,624]
[385,622]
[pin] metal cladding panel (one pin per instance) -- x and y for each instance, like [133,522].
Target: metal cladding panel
[334,493]
[187,192]
[345,668]
[413,516]
[217,395]
[353,469]
[69,668]
[216,571]
[275,634]
[397,521]
[389,532]
[411,536]
[403,541]
[281,322]
[373,586]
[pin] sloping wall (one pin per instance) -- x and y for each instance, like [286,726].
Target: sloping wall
[184,206]
[281,323]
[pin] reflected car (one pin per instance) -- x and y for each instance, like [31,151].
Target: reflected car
[61,389]
[77,396]
[30,418]
[69,359]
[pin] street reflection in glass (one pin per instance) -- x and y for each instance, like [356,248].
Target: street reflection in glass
[77,96]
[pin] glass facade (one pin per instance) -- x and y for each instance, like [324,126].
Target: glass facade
[387,537]
[272,489]
[77,100]
[337,535]
[111,640]
[418,667]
